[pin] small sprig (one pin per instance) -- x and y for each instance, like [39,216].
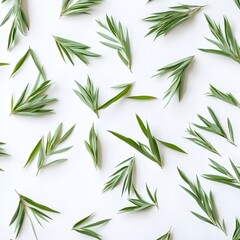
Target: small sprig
[92,146]
[44,151]
[33,102]
[89,95]
[139,204]
[27,206]
[164,22]
[237,3]
[123,174]
[226,97]
[205,202]
[119,39]
[87,229]
[226,177]
[177,70]
[20,22]
[236,234]
[68,47]
[79,7]
[152,151]
[22,60]
[166,236]
[225,40]
[216,127]
[198,139]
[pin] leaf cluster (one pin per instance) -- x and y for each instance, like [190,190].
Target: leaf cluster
[164,22]
[79,7]
[198,139]
[33,102]
[19,23]
[205,202]
[124,174]
[139,204]
[237,3]
[236,234]
[26,206]
[226,97]
[51,147]
[92,146]
[68,47]
[177,72]
[87,229]
[90,95]
[225,176]
[225,40]
[215,126]
[118,39]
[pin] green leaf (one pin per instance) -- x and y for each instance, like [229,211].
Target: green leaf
[69,47]
[142,97]
[236,234]
[164,22]
[118,39]
[171,146]
[126,89]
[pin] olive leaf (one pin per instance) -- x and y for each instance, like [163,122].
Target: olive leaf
[51,147]
[118,39]
[164,22]
[225,97]
[89,94]
[79,7]
[224,176]
[68,47]
[206,202]
[139,204]
[33,102]
[198,139]
[215,126]
[124,173]
[19,23]
[92,146]
[177,70]
[27,206]
[166,236]
[22,60]
[225,40]
[87,229]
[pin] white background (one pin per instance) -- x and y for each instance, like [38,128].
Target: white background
[74,188]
